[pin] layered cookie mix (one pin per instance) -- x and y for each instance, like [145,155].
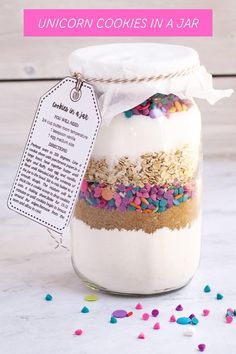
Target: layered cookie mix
[140,198]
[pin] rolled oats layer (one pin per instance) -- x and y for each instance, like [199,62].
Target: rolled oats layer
[154,168]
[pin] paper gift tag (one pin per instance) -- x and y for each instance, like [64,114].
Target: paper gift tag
[56,154]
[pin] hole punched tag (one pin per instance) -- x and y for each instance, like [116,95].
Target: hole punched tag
[76,91]
[56,154]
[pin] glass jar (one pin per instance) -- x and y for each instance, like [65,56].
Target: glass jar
[136,227]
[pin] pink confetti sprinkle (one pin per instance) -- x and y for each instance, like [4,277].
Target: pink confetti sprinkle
[78,332]
[157,326]
[201,347]
[205,312]
[230,310]
[172,319]
[84,186]
[145,316]
[141,336]
[137,200]
[139,306]
[179,308]
[117,200]
[229,319]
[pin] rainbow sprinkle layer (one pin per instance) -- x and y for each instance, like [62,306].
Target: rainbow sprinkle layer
[147,199]
[159,105]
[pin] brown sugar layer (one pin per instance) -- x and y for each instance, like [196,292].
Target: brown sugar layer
[154,168]
[176,217]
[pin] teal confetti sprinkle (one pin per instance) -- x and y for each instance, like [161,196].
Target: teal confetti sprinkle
[219,296]
[207,289]
[85,309]
[48,297]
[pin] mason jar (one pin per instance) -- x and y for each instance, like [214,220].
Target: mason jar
[136,227]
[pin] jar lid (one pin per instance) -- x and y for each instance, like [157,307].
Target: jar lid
[132,60]
[125,74]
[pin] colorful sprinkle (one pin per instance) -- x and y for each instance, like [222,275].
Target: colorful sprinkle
[172,319]
[229,319]
[139,306]
[219,296]
[207,289]
[159,105]
[154,199]
[201,347]
[194,321]
[129,314]
[141,336]
[113,320]
[229,313]
[85,309]
[119,313]
[78,332]
[91,297]
[84,186]
[107,193]
[179,308]
[48,297]
[191,316]
[205,312]
[157,326]
[183,320]
[145,316]
[155,313]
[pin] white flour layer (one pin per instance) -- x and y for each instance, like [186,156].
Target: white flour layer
[140,134]
[136,262]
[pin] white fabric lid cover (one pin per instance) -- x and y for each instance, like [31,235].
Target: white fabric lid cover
[128,61]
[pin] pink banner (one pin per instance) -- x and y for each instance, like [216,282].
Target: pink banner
[117,22]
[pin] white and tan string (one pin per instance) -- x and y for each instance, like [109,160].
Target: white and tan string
[180,73]
[58,241]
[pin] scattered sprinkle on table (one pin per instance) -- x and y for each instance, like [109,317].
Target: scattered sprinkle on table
[172,319]
[194,321]
[179,308]
[201,347]
[91,297]
[157,326]
[192,315]
[205,312]
[155,313]
[184,320]
[85,309]
[231,311]
[129,313]
[145,316]
[207,289]
[113,320]
[78,332]
[119,313]
[219,296]
[139,306]
[48,297]
[141,336]
[229,319]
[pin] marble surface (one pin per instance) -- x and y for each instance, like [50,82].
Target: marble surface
[30,267]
